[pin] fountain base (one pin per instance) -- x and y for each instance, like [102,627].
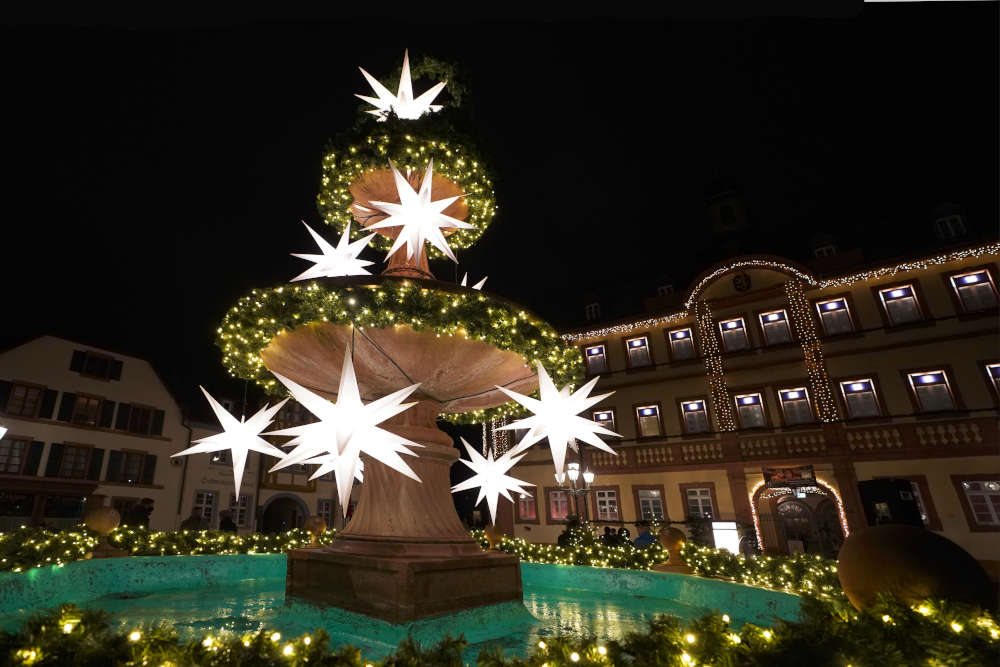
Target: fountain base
[402,588]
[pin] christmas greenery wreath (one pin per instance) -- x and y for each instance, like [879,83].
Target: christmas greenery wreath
[446,309]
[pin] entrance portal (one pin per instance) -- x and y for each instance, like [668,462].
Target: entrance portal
[803,520]
[282,514]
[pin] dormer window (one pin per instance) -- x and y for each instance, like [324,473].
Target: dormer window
[950,227]
[825,250]
[734,335]
[900,304]
[681,344]
[592,311]
[664,290]
[975,290]
[775,327]
[835,316]
[597,361]
[638,352]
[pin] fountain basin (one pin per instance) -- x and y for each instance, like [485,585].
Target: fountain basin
[217,594]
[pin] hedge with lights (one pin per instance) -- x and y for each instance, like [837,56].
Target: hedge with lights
[442,308]
[891,633]
[583,548]
[409,144]
[807,574]
[28,548]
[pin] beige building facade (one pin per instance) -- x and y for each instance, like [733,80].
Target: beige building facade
[886,372]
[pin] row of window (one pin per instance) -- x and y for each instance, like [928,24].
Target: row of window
[700,501]
[23,456]
[975,291]
[32,401]
[931,391]
[205,505]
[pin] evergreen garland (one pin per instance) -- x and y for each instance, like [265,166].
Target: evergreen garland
[443,308]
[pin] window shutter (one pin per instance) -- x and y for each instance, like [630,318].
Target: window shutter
[107,412]
[149,469]
[66,407]
[157,422]
[96,458]
[34,458]
[55,458]
[48,403]
[79,358]
[115,372]
[121,423]
[4,394]
[114,466]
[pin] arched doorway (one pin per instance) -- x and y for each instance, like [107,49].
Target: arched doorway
[805,519]
[282,513]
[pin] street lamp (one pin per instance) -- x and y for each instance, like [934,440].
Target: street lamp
[577,490]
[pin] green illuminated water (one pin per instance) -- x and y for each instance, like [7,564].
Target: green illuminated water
[204,595]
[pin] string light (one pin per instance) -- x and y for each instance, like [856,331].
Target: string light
[625,328]
[812,351]
[841,514]
[714,370]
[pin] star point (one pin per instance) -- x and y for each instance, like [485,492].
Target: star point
[238,436]
[556,417]
[335,261]
[402,103]
[491,477]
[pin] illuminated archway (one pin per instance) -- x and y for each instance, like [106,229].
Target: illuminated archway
[759,487]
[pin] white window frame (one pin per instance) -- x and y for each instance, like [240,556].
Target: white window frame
[701,496]
[639,417]
[787,395]
[701,406]
[603,355]
[822,310]
[742,404]
[200,496]
[8,445]
[324,508]
[608,507]
[740,326]
[240,508]
[847,388]
[647,510]
[886,295]
[769,324]
[527,501]
[560,497]
[993,375]
[629,348]
[987,495]
[681,342]
[608,422]
[916,381]
[960,289]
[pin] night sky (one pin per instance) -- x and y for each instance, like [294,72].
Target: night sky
[156,173]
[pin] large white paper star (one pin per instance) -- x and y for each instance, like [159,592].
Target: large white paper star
[3,432]
[347,429]
[334,262]
[491,478]
[402,103]
[420,218]
[479,285]
[237,436]
[555,417]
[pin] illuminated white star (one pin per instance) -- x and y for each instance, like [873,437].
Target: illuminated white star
[334,262]
[491,478]
[237,436]
[420,218]
[479,285]
[555,417]
[3,432]
[347,429]
[402,103]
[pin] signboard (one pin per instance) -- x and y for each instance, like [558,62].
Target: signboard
[797,476]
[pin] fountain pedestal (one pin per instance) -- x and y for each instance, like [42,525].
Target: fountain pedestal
[405,554]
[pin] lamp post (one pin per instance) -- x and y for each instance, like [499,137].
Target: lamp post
[579,483]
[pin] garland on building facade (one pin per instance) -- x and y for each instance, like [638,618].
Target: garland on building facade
[712,354]
[804,327]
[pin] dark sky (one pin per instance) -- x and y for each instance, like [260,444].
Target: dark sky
[156,173]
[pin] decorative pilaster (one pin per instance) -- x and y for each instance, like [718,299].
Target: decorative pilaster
[804,327]
[711,352]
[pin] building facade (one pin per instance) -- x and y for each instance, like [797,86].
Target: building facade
[85,426]
[90,427]
[769,370]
